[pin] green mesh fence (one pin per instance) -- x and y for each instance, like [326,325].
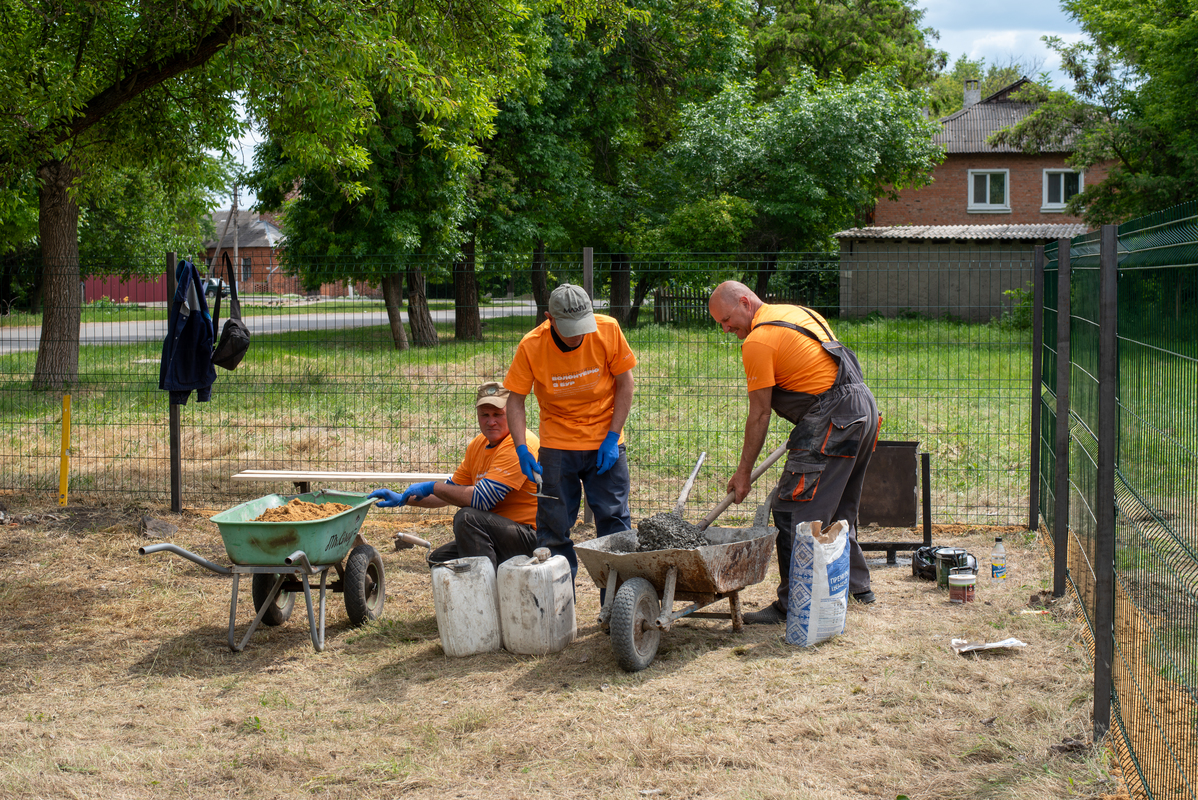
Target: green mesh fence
[1154,674]
[943,335]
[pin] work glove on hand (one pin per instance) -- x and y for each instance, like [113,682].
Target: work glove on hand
[609,452]
[417,491]
[390,498]
[528,464]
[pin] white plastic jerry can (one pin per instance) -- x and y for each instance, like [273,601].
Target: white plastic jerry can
[467,606]
[536,603]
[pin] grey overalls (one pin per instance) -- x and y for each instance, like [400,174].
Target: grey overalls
[830,446]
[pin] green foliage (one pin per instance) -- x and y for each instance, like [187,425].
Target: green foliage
[841,39]
[1019,316]
[1134,104]
[810,160]
[947,92]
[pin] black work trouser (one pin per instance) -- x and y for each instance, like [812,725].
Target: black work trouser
[485,533]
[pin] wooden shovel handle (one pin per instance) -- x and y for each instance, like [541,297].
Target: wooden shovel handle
[727,501]
[686,488]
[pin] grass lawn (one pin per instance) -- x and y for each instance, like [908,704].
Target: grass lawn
[119,684]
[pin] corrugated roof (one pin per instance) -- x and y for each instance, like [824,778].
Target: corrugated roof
[252,230]
[967,130]
[1004,232]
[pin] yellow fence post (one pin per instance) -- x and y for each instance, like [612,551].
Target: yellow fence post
[64,461]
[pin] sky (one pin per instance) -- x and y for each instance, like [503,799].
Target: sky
[996,31]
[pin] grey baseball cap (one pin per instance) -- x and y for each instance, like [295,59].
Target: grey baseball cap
[571,310]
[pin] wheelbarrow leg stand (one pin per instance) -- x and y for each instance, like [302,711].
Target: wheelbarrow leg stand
[738,620]
[317,634]
[609,598]
[270,598]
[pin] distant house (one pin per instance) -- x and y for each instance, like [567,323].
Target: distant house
[256,238]
[970,233]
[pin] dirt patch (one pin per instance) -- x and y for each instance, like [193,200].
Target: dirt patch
[297,510]
[668,531]
[119,683]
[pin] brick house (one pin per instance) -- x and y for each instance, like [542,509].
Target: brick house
[258,240]
[985,209]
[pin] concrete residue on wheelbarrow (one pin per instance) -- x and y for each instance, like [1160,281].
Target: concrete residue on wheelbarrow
[668,531]
[298,510]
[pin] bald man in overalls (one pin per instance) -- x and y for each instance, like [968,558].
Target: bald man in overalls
[796,367]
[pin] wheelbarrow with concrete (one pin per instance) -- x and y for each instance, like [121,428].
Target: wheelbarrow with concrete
[280,557]
[642,587]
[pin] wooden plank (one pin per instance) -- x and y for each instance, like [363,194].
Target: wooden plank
[301,475]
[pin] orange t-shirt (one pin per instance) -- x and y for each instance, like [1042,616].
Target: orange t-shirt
[575,390]
[501,464]
[776,356]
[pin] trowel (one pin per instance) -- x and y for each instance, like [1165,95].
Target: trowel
[539,493]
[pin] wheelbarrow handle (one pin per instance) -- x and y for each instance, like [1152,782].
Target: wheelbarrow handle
[167,547]
[727,501]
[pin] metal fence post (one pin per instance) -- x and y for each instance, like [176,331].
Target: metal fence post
[1060,514]
[1033,500]
[588,272]
[588,285]
[176,437]
[1104,499]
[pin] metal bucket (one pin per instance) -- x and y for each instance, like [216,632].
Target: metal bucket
[947,559]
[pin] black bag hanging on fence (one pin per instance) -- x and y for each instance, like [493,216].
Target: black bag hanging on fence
[235,337]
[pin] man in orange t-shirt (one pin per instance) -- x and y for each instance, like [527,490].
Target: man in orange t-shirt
[580,366]
[498,512]
[796,367]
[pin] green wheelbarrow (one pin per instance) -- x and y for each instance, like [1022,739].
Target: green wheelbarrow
[282,556]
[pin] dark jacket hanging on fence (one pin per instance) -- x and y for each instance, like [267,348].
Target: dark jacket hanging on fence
[187,349]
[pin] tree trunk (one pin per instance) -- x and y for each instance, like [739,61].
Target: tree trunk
[621,286]
[540,287]
[57,364]
[467,327]
[391,299]
[647,282]
[423,332]
[764,272]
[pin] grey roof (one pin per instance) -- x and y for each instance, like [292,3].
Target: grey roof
[956,232]
[252,230]
[967,130]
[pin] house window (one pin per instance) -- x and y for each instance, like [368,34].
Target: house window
[246,272]
[1059,186]
[989,190]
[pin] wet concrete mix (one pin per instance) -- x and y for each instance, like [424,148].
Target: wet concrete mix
[668,531]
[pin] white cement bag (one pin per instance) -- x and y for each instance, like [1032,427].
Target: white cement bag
[819,583]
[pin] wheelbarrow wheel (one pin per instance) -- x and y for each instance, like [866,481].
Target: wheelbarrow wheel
[365,589]
[634,637]
[284,602]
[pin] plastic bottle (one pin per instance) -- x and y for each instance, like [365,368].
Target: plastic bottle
[998,561]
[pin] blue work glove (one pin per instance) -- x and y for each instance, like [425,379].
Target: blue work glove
[528,464]
[417,491]
[609,452]
[390,498]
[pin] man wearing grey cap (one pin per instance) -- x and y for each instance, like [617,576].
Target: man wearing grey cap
[580,366]
[497,516]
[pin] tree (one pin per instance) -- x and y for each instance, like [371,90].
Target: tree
[152,83]
[946,94]
[1134,104]
[841,38]
[810,160]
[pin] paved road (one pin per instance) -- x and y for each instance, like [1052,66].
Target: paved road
[25,338]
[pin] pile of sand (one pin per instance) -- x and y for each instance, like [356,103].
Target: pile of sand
[298,510]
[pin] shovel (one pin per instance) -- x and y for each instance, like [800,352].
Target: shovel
[727,501]
[686,487]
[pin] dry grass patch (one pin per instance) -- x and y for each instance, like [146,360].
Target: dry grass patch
[119,683]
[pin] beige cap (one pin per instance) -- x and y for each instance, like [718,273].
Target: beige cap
[571,310]
[491,394]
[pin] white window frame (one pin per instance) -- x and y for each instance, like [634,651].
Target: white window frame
[1056,208]
[990,208]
